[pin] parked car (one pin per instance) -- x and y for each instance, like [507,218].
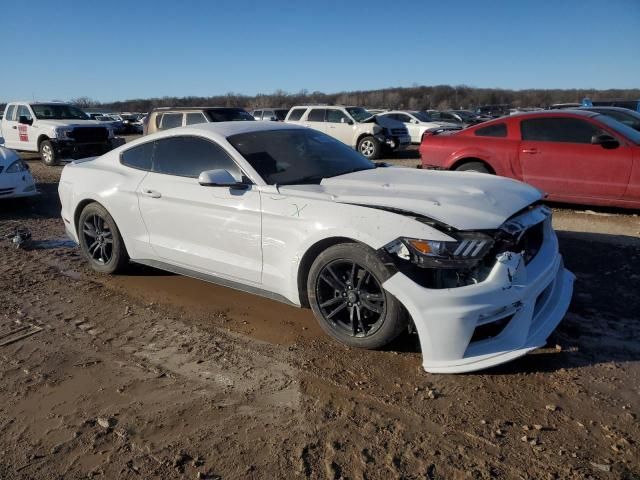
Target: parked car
[171,117]
[131,124]
[354,126]
[115,125]
[563,106]
[471,260]
[623,115]
[15,179]
[55,130]
[493,111]
[271,114]
[576,156]
[467,118]
[418,123]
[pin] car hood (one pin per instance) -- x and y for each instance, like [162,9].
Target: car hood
[70,123]
[463,200]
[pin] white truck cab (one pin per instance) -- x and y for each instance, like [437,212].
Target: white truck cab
[56,130]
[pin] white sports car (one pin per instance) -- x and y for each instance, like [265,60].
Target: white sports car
[469,260]
[15,179]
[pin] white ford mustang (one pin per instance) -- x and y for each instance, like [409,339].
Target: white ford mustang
[469,260]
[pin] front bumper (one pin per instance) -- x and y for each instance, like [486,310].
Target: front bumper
[531,299]
[395,142]
[70,149]
[17,185]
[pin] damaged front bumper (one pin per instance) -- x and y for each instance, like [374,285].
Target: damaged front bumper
[510,313]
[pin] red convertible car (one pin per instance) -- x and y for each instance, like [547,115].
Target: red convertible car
[574,156]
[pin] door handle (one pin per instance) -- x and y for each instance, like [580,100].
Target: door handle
[532,151]
[151,193]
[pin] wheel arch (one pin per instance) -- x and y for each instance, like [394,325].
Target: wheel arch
[41,139]
[81,206]
[470,159]
[307,260]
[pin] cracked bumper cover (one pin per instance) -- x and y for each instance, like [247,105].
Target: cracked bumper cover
[536,297]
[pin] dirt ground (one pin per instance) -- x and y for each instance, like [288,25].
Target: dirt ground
[153,375]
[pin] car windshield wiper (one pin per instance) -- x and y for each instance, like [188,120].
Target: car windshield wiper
[307,179]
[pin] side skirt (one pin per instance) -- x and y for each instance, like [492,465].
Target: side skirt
[216,280]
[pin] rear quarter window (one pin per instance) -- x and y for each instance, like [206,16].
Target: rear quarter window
[171,120]
[496,130]
[296,114]
[138,157]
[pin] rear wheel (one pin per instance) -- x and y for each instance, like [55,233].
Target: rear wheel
[478,167]
[370,148]
[347,298]
[100,240]
[48,154]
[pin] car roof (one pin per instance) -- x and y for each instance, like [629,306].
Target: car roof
[596,108]
[550,113]
[227,129]
[162,109]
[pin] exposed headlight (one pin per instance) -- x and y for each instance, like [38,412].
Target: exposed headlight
[468,249]
[17,166]
[63,132]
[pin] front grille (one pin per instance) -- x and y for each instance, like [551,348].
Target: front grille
[6,191]
[399,131]
[89,134]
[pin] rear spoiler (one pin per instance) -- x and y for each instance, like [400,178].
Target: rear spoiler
[440,131]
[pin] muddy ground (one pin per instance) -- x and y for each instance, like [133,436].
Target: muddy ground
[153,375]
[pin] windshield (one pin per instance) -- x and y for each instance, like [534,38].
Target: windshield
[464,114]
[297,156]
[229,115]
[624,130]
[359,114]
[58,111]
[422,116]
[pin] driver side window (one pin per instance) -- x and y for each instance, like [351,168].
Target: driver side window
[188,156]
[23,111]
[336,116]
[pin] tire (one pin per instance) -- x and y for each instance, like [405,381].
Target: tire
[370,148]
[48,154]
[332,285]
[478,167]
[96,225]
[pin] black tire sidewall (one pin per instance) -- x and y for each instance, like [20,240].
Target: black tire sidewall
[395,320]
[477,167]
[376,143]
[54,158]
[119,258]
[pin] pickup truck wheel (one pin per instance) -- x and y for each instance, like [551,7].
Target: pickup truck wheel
[473,167]
[48,154]
[100,240]
[347,298]
[370,148]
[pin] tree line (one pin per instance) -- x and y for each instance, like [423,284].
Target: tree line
[439,97]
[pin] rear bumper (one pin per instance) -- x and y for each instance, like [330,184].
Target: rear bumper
[530,300]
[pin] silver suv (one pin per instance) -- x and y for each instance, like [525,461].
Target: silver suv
[355,126]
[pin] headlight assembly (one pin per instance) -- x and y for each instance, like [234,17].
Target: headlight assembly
[468,249]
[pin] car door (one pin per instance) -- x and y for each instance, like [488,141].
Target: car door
[315,119]
[10,128]
[27,133]
[340,126]
[214,230]
[557,156]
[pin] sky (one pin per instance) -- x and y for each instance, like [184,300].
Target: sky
[117,49]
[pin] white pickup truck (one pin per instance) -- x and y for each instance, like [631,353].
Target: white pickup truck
[56,130]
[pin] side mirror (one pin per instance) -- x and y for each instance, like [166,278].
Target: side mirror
[346,120]
[413,120]
[220,178]
[605,141]
[24,120]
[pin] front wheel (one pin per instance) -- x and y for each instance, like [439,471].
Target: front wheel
[370,148]
[100,240]
[48,154]
[347,298]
